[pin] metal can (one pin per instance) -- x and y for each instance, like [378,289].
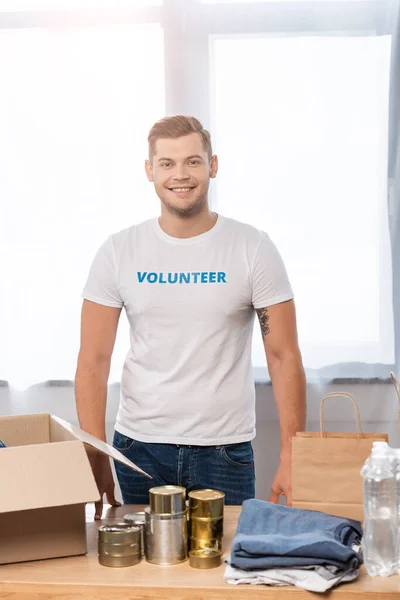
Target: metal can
[167,499]
[137,519]
[204,559]
[206,503]
[119,545]
[203,528]
[166,541]
[206,533]
[206,520]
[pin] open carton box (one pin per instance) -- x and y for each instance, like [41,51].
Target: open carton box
[45,482]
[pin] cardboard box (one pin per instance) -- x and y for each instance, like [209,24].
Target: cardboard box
[45,482]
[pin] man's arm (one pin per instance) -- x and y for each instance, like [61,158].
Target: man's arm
[99,326]
[279,331]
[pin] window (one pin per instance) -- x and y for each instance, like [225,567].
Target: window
[266,1]
[306,160]
[296,97]
[36,5]
[75,111]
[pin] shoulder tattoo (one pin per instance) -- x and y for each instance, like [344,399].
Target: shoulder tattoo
[263,317]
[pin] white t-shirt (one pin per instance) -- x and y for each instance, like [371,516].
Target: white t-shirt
[188,378]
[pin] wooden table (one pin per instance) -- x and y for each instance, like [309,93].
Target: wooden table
[82,577]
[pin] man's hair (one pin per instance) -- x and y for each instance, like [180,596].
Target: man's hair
[176,127]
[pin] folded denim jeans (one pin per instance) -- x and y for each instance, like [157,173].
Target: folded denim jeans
[270,535]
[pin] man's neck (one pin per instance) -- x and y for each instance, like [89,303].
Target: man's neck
[179,227]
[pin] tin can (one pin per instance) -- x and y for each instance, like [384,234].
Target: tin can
[206,521]
[203,528]
[166,541]
[137,519]
[205,533]
[119,545]
[204,559]
[206,503]
[167,499]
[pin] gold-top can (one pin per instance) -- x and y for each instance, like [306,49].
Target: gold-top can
[167,499]
[205,544]
[206,503]
[203,528]
[204,558]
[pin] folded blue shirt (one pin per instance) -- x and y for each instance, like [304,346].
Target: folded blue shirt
[270,535]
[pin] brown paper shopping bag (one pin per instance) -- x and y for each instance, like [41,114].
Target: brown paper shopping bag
[326,467]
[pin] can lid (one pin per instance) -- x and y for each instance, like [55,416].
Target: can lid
[140,524]
[204,558]
[167,499]
[135,517]
[206,494]
[167,490]
[119,533]
[118,528]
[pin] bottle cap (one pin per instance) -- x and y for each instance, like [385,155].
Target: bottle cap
[381,444]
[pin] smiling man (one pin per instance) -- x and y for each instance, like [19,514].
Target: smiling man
[191,282]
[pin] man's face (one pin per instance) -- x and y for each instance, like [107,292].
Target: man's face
[181,172]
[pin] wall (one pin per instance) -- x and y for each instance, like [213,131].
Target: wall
[378,408]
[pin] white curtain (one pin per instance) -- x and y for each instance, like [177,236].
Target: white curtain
[75,110]
[309,158]
[300,124]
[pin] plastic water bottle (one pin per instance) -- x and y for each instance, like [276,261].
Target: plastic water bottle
[383,445]
[377,448]
[380,514]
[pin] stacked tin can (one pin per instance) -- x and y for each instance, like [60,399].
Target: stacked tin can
[137,519]
[166,541]
[206,522]
[119,545]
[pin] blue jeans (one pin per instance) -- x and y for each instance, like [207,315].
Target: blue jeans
[228,468]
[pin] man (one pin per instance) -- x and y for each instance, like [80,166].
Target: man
[190,282]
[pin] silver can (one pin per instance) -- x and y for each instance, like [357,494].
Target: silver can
[119,545]
[137,519]
[167,499]
[166,540]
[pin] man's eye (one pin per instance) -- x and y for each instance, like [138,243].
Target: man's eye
[165,164]
[194,162]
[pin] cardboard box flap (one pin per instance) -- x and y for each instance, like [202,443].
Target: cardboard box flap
[23,430]
[81,435]
[40,476]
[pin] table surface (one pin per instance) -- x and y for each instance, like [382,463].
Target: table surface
[83,577]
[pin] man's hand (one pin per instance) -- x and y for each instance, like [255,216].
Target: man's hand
[282,484]
[101,468]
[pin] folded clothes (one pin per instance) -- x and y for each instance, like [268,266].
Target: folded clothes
[313,579]
[271,535]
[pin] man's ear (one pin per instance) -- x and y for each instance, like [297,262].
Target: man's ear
[214,166]
[149,170]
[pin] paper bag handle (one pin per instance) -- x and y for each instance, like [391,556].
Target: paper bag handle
[396,384]
[355,407]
